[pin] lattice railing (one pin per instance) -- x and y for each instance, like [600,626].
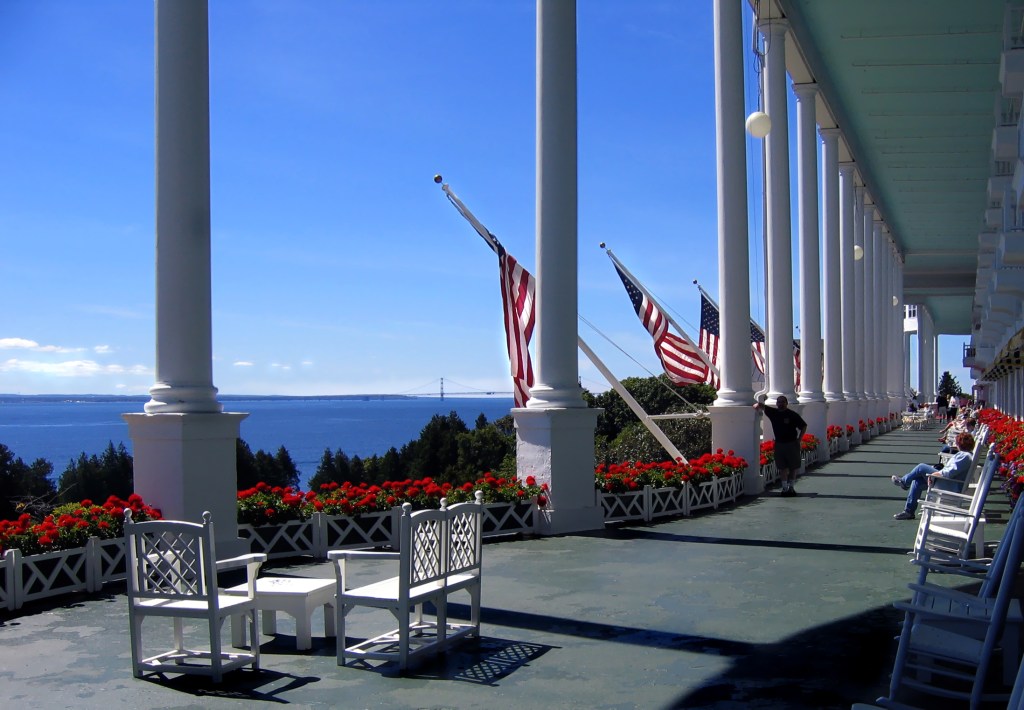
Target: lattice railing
[292,539]
[625,506]
[51,573]
[508,519]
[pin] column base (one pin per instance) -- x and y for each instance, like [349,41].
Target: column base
[735,428]
[184,464]
[556,446]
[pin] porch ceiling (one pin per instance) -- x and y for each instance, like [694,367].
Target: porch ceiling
[914,86]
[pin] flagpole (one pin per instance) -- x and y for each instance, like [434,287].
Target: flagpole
[631,402]
[700,352]
[715,304]
[754,353]
[485,233]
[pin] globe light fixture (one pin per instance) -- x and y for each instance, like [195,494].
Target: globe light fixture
[858,252]
[759,124]
[895,301]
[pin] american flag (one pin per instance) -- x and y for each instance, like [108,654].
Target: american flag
[796,365]
[518,288]
[710,334]
[679,358]
[757,345]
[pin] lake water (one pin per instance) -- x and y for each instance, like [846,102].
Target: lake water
[60,431]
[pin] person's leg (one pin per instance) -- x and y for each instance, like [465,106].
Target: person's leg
[783,476]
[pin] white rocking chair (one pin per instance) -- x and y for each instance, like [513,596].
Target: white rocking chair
[172,572]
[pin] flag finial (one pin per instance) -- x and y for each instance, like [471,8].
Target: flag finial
[601,245]
[438,179]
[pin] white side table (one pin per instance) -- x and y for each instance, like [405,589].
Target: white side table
[295,596]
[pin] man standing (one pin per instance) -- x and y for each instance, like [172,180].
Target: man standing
[789,428]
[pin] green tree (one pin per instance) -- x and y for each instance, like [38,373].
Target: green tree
[273,469]
[635,443]
[436,452]
[24,487]
[948,385]
[98,477]
[333,468]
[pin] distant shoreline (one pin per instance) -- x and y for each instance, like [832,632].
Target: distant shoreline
[21,398]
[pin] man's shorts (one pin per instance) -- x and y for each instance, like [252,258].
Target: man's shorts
[787,455]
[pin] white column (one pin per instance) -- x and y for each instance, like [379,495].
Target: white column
[184,447]
[779,235]
[555,432]
[184,362]
[832,277]
[733,421]
[557,373]
[878,332]
[864,212]
[870,388]
[847,237]
[810,396]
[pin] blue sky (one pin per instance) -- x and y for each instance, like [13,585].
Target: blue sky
[338,265]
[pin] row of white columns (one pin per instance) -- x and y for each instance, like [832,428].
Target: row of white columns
[1007,393]
[857,291]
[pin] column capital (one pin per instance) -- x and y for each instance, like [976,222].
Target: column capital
[832,135]
[773,26]
[806,90]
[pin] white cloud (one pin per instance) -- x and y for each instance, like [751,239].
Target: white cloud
[307,363]
[69,368]
[25,344]
[102,349]
[243,363]
[279,366]
[15,343]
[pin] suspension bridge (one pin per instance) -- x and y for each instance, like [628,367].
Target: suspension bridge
[437,386]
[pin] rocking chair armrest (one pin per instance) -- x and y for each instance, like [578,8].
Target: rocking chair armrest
[938,507]
[956,565]
[946,593]
[940,493]
[930,613]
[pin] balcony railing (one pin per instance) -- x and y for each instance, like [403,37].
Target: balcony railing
[1013,28]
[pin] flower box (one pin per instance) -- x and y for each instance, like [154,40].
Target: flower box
[665,502]
[342,532]
[8,599]
[290,539]
[769,473]
[625,506]
[508,519]
[111,561]
[51,573]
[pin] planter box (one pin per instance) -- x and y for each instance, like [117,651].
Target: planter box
[508,519]
[291,539]
[769,473]
[833,446]
[730,488]
[625,506]
[665,502]
[111,561]
[8,599]
[342,532]
[50,574]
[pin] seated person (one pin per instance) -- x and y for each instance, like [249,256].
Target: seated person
[951,476]
[954,431]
